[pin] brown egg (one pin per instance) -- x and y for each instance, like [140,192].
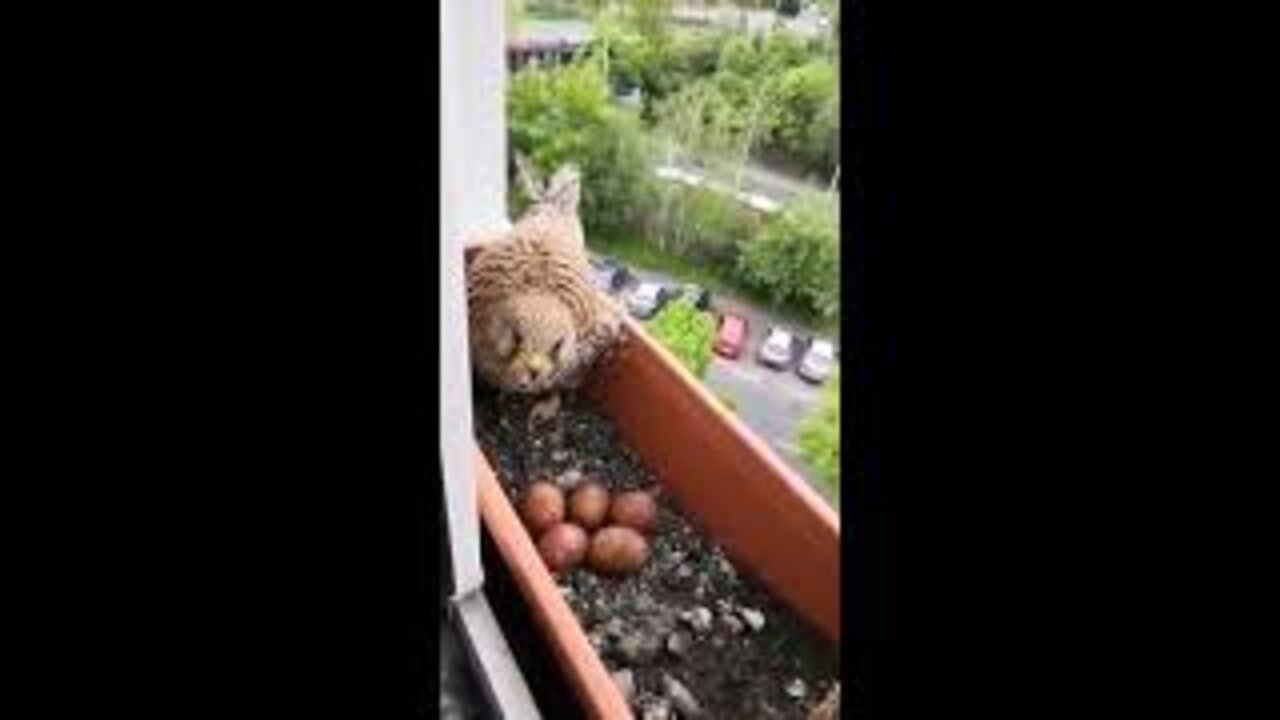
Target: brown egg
[617,550]
[541,507]
[635,509]
[563,547]
[589,504]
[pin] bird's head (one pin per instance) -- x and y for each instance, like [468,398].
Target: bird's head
[535,336]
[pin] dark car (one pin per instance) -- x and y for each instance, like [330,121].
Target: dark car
[700,296]
[611,275]
[647,299]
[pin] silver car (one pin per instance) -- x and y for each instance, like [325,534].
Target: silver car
[777,348]
[818,362]
[646,300]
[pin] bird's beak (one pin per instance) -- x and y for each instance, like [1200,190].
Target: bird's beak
[536,363]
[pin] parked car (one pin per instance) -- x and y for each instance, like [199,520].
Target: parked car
[778,349]
[731,335]
[818,362]
[611,275]
[647,299]
[700,296]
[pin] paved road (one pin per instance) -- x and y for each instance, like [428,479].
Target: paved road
[771,402]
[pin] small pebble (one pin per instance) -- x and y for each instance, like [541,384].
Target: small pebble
[732,622]
[684,572]
[683,700]
[656,710]
[796,689]
[560,455]
[699,619]
[626,683]
[663,622]
[569,479]
[829,708]
[544,410]
[638,649]
[754,618]
[678,643]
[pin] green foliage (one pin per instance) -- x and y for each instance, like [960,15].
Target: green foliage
[562,115]
[807,123]
[819,436]
[696,55]
[783,51]
[650,18]
[795,260]
[687,332]
[777,94]
[703,225]
[772,96]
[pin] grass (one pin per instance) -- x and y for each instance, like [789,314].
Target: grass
[637,253]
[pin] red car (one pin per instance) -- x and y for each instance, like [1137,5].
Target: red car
[731,337]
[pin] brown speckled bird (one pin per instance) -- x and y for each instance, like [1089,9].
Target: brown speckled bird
[537,319]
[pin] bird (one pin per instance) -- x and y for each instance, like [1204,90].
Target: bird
[537,320]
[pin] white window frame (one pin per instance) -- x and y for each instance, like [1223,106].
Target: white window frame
[473,203]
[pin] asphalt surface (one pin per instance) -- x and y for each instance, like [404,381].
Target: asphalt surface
[771,402]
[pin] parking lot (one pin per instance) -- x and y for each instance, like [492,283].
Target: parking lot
[771,402]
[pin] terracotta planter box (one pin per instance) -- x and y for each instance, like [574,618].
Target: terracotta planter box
[764,516]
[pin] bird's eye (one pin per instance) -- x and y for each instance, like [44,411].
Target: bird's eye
[514,346]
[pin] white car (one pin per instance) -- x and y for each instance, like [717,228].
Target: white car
[776,349]
[646,300]
[818,362]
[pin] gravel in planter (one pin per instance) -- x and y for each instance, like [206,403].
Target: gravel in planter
[689,635]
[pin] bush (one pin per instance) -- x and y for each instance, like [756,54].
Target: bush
[819,437]
[697,55]
[740,57]
[704,226]
[795,260]
[783,51]
[687,332]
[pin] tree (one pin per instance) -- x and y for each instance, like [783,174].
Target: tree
[687,332]
[651,18]
[807,123]
[562,115]
[819,437]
